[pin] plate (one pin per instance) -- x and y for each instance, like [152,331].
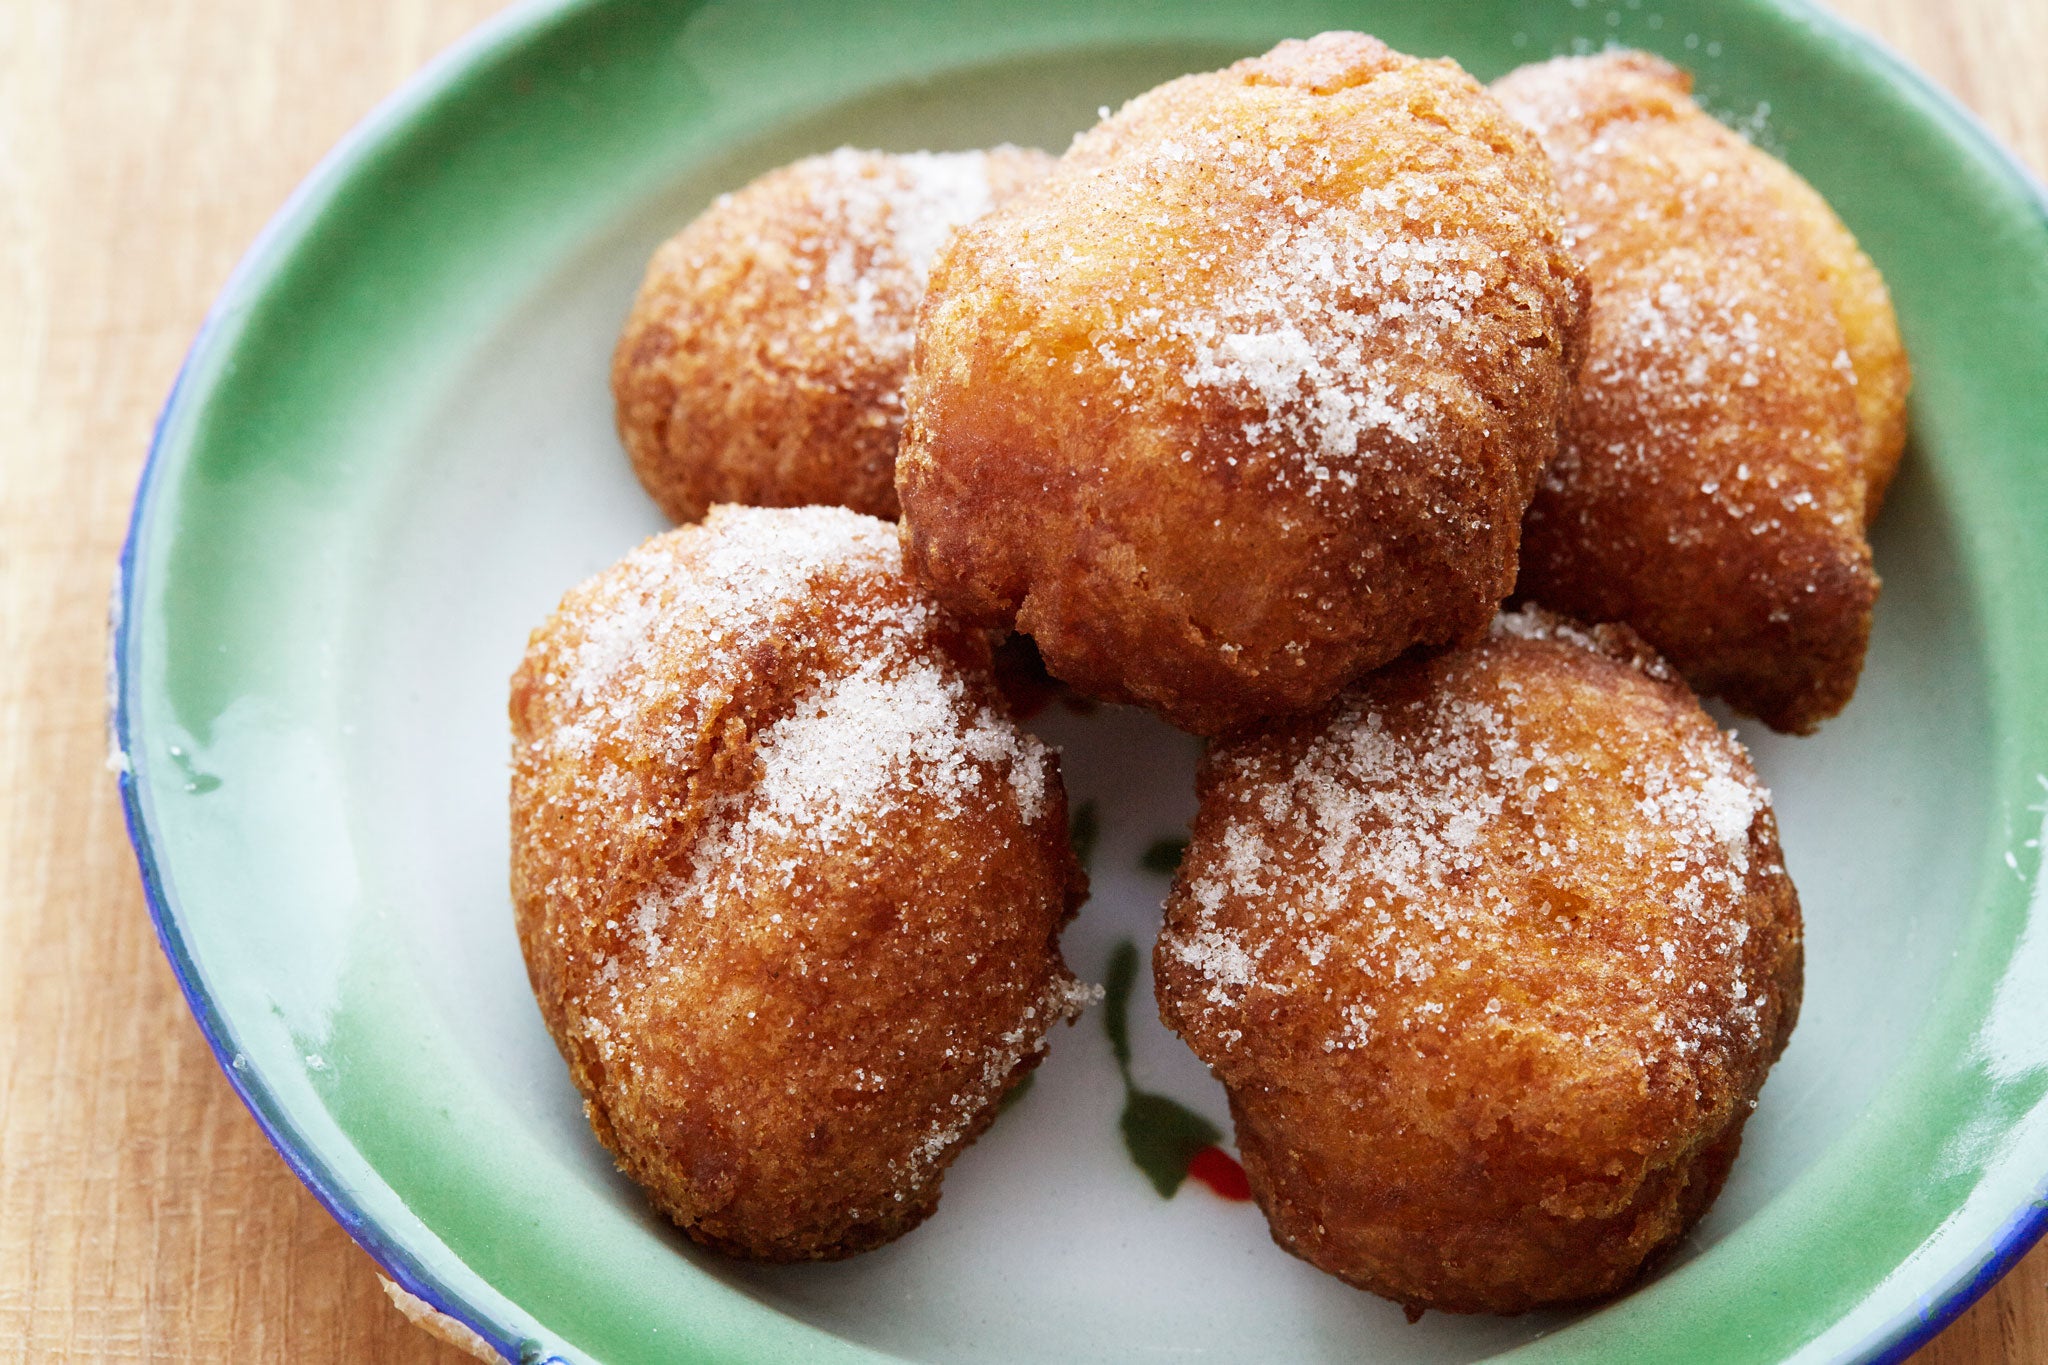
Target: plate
[390,452]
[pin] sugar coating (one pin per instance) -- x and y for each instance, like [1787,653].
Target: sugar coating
[1742,403]
[836,771]
[1315,338]
[1670,353]
[880,222]
[764,358]
[853,739]
[1423,837]
[892,724]
[1320,297]
[788,877]
[1326,311]
[755,568]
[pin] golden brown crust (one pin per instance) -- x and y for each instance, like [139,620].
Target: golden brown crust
[788,879]
[1742,404]
[1492,959]
[1881,374]
[763,361]
[1246,397]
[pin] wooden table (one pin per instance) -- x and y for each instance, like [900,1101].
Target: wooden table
[142,144]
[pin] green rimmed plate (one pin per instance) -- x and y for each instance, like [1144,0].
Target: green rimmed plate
[391,451]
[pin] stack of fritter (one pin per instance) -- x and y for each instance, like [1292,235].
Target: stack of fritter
[1252,408]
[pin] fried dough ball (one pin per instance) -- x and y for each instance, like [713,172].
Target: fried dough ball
[763,361]
[1742,404]
[1492,959]
[1247,396]
[788,879]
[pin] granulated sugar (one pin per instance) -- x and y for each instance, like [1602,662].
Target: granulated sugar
[1398,845]
[1686,366]
[756,557]
[1314,324]
[665,638]
[884,218]
[848,757]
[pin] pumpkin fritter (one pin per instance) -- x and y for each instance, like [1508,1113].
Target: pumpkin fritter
[788,878]
[1742,404]
[1249,394]
[763,361]
[1492,959]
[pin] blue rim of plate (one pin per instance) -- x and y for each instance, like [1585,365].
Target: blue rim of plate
[526,21]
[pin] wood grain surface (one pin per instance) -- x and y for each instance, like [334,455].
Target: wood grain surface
[142,145]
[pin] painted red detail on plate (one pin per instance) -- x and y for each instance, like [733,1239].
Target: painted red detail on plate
[1219,1170]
